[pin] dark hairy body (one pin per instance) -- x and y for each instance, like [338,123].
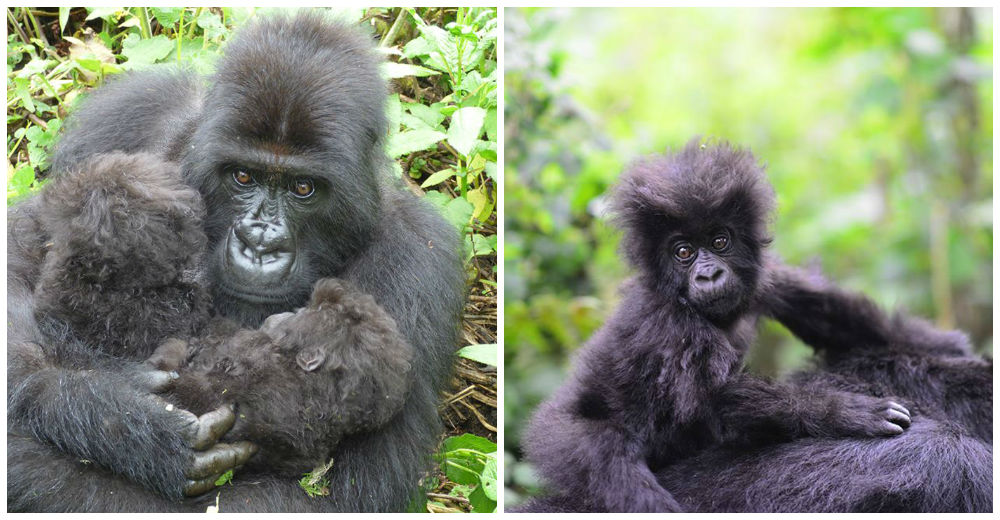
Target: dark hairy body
[284,144]
[661,380]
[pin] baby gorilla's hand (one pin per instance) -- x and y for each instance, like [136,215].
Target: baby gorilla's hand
[867,416]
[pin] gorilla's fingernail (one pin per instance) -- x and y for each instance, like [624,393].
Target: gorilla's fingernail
[174,374]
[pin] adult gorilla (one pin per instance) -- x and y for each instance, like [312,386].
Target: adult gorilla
[285,143]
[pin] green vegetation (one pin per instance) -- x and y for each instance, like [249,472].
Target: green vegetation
[442,63]
[876,125]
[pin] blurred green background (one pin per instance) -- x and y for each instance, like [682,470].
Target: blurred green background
[876,125]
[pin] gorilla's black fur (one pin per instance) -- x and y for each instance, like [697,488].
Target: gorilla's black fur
[661,378]
[657,415]
[296,97]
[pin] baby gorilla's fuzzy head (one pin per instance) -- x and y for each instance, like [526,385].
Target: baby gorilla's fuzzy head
[695,225]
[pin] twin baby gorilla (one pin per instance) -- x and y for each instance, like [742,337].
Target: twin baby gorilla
[658,416]
[123,272]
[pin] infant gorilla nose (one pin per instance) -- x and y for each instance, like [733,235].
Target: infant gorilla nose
[710,277]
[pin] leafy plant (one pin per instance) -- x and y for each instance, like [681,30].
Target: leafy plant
[471,462]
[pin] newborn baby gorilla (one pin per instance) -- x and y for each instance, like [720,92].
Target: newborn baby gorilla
[121,276]
[303,381]
[121,266]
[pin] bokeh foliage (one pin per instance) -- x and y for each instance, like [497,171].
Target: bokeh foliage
[875,124]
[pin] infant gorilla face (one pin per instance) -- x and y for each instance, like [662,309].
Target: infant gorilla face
[702,261]
[279,328]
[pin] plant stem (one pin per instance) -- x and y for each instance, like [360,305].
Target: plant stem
[394,30]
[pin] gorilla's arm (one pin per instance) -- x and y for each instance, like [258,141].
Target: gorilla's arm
[755,411]
[94,407]
[822,315]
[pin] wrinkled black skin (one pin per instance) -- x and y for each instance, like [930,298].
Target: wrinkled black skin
[662,378]
[748,450]
[292,98]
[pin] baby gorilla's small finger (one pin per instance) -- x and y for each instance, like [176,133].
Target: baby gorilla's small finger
[156,381]
[213,425]
[220,459]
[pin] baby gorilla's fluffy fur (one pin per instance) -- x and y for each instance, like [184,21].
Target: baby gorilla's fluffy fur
[120,276]
[301,382]
[662,378]
[121,265]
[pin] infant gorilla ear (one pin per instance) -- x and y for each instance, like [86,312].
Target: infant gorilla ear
[304,380]
[125,241]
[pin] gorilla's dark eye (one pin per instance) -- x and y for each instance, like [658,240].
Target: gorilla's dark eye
[303,188]
[721,242]
[684,252]
[242,178]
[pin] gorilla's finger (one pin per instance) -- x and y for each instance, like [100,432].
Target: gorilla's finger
[899,408]
[897,417]
[890,429]
[193,488]
[156,381]
[220,459]
[211,426]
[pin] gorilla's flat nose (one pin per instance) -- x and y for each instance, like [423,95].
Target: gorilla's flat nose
[709,277]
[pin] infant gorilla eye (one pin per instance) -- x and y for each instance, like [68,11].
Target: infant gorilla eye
[303,188]
[720,242]
[242,178]
[684,252]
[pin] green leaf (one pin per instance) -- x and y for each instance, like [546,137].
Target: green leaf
[412,141]
[225,478]
[211,24]
[392,70]
[431,115]
[167,16]
[466,125]
[21,88]
[102,12]
[483,353]
[488,479]
[63,18]
[145,52]
[491,124]
[438,177]
[478,245]
[22,178]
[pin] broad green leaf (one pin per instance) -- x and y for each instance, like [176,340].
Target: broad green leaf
[438,177]
[412,141]
[211,24]
[481,203]
[167,16]
[478,245]
[22,89]
[102,12]
[391,70]
[145,52]
[466,125]
[431,115]
[488,478]
[483,353]
[490,124]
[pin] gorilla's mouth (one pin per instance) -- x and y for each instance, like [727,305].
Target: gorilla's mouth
[256,296]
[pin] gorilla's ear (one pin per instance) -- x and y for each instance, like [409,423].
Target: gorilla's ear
[310,359]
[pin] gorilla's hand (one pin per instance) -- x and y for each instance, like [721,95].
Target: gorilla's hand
[207,459]
[865,416]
